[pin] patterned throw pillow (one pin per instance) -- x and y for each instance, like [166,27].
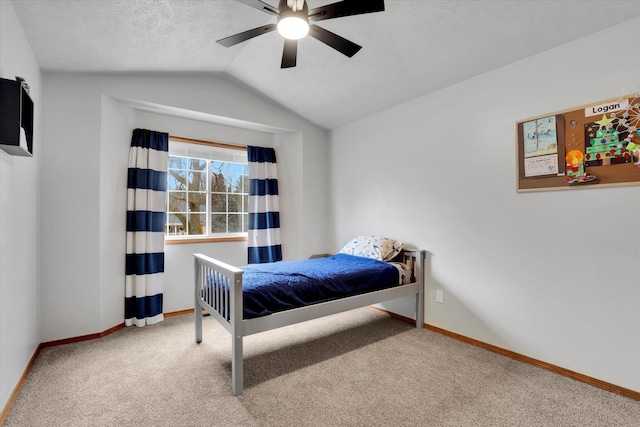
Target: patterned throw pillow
[376,247]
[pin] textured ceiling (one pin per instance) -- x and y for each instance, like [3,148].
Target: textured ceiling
[411,49]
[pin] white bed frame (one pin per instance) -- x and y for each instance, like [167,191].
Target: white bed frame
[217,303]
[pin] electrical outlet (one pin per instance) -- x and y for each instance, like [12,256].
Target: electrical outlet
[439,296]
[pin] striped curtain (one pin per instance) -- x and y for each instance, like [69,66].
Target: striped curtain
[146,207]
[264,211]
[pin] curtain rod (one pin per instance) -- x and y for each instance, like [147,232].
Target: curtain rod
[209,143]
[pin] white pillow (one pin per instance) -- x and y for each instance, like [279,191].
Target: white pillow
[376,247]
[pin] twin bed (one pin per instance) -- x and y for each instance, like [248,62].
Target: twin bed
[261,297]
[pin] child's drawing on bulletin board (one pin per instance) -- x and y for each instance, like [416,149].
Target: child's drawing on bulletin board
[540,137]
[540,147]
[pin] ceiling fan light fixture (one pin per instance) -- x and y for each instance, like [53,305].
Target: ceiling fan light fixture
[293,18]
[293,25]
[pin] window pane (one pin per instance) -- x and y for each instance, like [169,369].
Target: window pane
[218,167]
[245,222]
[218,203]
[176,224]
[197,181]
[176,180]
[219,223]
[244,179]
[198,202]
[218,176]
[235,223]
[218,184]
[197,224]
[197,164]
[246,203]
[235,168]
[177,201]
[178,162]
[235,183]
[235,203]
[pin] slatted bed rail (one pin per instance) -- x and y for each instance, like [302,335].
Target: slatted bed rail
[224,302]
[219,301]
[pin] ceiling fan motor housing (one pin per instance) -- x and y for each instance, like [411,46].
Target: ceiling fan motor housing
[293,24]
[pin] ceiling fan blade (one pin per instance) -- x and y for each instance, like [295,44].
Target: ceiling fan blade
[333,40]
[346,8]
[260,5]
[289,54]
[244,36]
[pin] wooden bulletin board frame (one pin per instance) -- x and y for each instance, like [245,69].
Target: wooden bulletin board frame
[545,144]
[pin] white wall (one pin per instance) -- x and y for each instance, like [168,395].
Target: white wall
[19,210]
[88,120]
[536,273]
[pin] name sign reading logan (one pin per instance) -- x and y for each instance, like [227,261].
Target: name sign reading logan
[597,110]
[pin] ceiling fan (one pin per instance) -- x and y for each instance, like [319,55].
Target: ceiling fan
[293,24]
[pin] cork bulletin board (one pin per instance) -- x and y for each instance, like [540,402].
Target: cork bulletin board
[595,145]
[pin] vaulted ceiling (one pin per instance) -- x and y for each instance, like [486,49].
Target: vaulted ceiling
[411,49]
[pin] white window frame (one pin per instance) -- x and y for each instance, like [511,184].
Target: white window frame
[209,151]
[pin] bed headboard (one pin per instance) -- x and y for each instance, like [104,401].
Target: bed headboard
[414,258]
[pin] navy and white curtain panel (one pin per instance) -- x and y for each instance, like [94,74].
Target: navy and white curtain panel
[264,210]
[146,207]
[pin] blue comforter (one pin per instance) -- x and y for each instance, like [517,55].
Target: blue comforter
[273,287]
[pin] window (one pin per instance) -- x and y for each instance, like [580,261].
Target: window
[207,191]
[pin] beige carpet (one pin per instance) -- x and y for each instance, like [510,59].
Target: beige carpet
[360,368]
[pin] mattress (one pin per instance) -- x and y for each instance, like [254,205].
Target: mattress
[274,287]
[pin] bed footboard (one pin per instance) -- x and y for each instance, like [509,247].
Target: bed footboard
[218,291]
